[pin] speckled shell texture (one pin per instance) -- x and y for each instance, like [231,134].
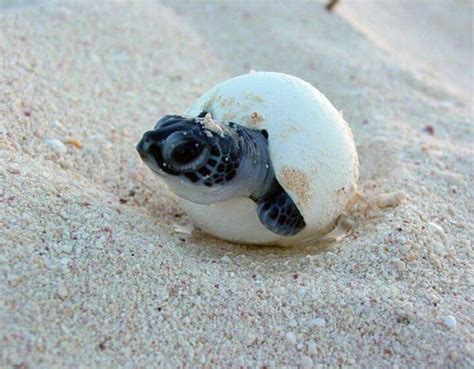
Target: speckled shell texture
[310,144]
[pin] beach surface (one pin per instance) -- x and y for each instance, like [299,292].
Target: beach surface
[98,264]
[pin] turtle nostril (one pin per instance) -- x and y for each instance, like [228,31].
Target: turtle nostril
[148,136]
[146,142]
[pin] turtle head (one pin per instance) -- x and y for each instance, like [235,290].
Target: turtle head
[193,160]
[176,146]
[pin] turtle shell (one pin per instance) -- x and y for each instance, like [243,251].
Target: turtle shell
[311,148]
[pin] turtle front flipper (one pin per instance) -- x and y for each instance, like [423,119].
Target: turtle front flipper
[278,213]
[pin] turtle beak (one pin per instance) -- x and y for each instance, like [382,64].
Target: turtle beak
[143,147]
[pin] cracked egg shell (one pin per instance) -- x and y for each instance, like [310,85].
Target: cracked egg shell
[311,148]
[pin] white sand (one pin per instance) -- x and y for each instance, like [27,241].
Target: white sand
[95,273]
[432,39]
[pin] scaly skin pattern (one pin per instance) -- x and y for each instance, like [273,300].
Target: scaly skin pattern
[207,166]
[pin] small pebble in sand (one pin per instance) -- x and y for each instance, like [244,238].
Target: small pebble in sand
[450,321]
[57,124]
[439,248]
[292,323]
[401,266]
[410,257]
[312,347]
[404,249]
[331,4]
[62,290]
[306,362]
[301,292]
[390,199]
[435,228]
[429,129]
[225,259]
[13,279]
[67,248]
[279,291]
[56,145]
[184,228]
[454,356]
[74,142]
[318,322]
[14,169]
[290,337]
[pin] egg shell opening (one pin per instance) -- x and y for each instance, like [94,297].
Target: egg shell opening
[311,147]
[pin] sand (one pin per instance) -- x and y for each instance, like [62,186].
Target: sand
[97,264]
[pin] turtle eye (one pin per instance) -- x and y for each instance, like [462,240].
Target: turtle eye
[186,153]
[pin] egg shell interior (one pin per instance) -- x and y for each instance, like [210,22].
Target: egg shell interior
[311,147]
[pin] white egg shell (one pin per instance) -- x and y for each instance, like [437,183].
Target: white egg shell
[311,148]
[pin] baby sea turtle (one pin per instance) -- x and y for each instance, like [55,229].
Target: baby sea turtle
[274,162]
[207,162]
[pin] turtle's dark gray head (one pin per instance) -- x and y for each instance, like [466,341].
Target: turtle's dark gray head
[195,161]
